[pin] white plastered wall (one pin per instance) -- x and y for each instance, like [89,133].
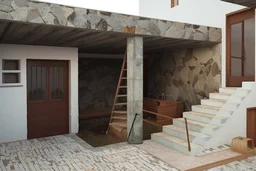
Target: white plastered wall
[130,7]
[13,100]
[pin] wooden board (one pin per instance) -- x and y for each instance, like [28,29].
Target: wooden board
[251,124]
[94,113]
[165,107]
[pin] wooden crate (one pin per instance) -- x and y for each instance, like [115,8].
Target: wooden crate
[165,107]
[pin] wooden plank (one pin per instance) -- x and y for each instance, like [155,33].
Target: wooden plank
[94,115]
[157,114]
[153,122]
[10,31]
[220,163]
[251,124]
[3,26]
[40,32]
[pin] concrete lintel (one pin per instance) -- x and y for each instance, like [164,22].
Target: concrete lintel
[135,88]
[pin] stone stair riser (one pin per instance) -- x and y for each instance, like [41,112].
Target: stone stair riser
[204,119]
[182,135]
[173,145]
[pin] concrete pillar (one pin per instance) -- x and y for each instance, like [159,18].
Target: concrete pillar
[135,88]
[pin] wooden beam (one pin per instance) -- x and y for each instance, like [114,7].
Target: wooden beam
[220,163]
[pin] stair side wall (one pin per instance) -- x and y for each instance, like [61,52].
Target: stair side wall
[236,124]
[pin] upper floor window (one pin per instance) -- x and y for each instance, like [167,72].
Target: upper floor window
[174,3]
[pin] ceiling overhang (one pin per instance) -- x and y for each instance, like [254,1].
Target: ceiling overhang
[86,40]
[247,3]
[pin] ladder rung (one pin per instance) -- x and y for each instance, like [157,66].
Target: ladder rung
[119,112]
[120,117]
[124,78]
[120,104]
[119,124]
[122,95]
[122,86]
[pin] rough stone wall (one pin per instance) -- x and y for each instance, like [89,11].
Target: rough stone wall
[52,14]
[186,75]
[98,79]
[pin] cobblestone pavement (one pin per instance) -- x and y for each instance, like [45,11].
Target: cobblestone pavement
[68,152]
[244,165]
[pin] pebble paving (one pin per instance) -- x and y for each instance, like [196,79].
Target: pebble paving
[70,153]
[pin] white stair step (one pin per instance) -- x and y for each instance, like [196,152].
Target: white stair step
[248,85]
[119,117]
[240,92]
[213,102]
[229,90]
[196,126]
[222,96]
[120,104]
[119,112]
[119,124]
[211,110]
[182,134]
[175,143]
[219,103]
[206,118]
[226,96]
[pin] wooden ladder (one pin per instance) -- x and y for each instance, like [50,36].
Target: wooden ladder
[118,120]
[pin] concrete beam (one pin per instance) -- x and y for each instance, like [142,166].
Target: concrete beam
[135,88]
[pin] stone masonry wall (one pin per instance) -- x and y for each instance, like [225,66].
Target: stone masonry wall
[98,79]
[59,15]
[186,75]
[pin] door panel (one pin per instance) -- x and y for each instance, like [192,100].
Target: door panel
[240,58]
[236,49]
[249,47]
[47,89]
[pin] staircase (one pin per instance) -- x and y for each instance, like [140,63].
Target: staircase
[215,122]
[118,120]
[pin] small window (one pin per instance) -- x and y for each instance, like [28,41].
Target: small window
[10,78]
[11,65]
[174,3]
[10,72]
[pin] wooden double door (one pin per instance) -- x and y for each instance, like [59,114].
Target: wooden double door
[240,57]
[47,98]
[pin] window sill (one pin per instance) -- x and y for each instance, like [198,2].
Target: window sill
[10,85]
[11,71]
